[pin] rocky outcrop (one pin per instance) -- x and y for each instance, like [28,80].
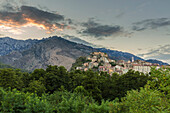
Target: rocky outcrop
[8,45]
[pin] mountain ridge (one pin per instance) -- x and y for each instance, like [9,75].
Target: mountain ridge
[8,45]
[156,61]
[52,51]
[56,51]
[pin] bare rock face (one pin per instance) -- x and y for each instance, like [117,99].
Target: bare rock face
[8,45]
[52,51]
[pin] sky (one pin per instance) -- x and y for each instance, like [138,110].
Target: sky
[140,27]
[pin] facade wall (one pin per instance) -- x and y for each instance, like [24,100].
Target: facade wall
[143,69]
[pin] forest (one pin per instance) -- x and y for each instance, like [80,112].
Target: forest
[56,90]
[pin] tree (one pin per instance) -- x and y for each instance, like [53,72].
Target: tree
[11,78]
[91,84]
[153,98]
[131,80]
[14,101]
[112,63]
[81,90]
[161,81]
[37,87]
[78,62]
[56,77]
[37,74]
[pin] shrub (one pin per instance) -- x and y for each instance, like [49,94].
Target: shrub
[19,102]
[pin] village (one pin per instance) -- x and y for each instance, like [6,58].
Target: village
[99,61]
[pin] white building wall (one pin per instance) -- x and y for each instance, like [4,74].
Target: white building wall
[143,69]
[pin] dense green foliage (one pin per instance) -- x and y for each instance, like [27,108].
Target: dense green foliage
[57,90]
[5,66]
[79,62]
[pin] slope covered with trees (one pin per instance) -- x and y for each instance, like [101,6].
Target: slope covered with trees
[5,66]
[57,90]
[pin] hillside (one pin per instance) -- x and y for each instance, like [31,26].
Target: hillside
[8,45]
[156,61]
[119,55]
[53,51]
[5,66]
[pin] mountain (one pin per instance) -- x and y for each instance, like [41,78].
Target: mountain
[52,51]
[32,54]
[156,61]
[8,45]
[118,55]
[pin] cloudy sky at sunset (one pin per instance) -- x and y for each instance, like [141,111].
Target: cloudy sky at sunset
[141,27]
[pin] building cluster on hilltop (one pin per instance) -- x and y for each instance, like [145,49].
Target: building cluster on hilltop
[99,61]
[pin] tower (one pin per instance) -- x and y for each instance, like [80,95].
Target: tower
[132,59]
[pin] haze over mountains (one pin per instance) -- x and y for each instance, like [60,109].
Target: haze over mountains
[32,54]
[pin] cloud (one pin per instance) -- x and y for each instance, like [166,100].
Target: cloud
[99,31]
[70,21]
[80,41]
[33,16]
[139,49]
[11,5]
[1,35]
[77,40]
[162,52]
[120,15]
[151,24]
